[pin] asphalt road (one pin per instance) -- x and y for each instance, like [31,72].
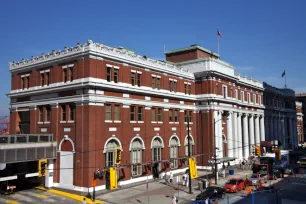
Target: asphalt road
[33,196]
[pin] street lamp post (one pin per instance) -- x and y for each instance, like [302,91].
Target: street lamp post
[189,177]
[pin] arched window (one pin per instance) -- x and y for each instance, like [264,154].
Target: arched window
[156,150]
[136,157]
[191,141]
[110,152]
[174,152]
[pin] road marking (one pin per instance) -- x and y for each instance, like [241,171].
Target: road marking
[12,202]
[41,196]
[300,184]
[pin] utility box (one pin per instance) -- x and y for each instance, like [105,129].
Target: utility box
[201,186]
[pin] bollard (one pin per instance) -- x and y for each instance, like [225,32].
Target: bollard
[253,198]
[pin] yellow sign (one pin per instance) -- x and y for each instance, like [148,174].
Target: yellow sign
[113,178]
[42,167]
[193,168]
[118,156]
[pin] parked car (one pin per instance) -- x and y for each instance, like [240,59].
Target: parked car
[211,193]
[234,185]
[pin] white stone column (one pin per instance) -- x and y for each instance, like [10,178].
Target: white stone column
[252,137]
[283,131]
[229,131]
[257,133]
[49,174]
[295,135]
[291,132]
[262,128]
[220,136]
[239,140]
[246,152]
[266,126]
[216,118]
[235,135]
[271,127]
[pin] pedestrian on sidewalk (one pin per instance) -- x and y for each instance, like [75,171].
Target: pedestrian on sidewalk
[184,179]
[174,200]
[171,177]
[84,201]
[166,178]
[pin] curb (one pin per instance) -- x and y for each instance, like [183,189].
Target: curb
[69,195]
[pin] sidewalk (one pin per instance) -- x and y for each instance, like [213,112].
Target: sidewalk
[159,192]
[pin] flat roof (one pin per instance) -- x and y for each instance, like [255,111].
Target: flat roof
[192,47]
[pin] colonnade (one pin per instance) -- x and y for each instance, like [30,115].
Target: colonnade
[243,132]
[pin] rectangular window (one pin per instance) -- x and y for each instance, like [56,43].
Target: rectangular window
[72,112]
[108,112]
[217,91]
[153,114]
[117,112]
[170,115]
[242,96]
[116,75]
[189,89]
[185,116]
[140,118]
[224,92]
[48,113]
[138,79]
[153,83]
[63,112]
[254,98]
[174,86]
[47,78]
[249,98]
[190,116]
[236,94]
[109,74]
[259,100]
[22,83]
[42,79]
[158,83]
[28,81]
[159,114]
[170,85]
[231,93]
[132,113]
[65,75]
[71,74]
[176,115]
[133,76]
[41,114]
[185,88]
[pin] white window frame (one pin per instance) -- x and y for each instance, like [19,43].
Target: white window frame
[248,97]
[236,94]
[254,99]
[242,96]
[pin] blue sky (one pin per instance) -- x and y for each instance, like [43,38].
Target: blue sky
[261,38]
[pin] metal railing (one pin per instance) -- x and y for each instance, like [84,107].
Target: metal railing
[26,147]
[25,138]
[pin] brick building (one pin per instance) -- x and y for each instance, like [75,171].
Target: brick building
[94,99]
[301,111]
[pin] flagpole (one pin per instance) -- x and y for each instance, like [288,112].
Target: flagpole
[285,80]
[218,45]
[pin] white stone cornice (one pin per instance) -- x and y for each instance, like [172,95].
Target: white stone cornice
[100,50]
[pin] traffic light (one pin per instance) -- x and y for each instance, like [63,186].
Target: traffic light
[278,154]
[257,151]
[42,165]
[118,156]
[113,178]
[193,168]
[155,170]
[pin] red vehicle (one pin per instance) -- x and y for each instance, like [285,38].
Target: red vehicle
[234,185]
